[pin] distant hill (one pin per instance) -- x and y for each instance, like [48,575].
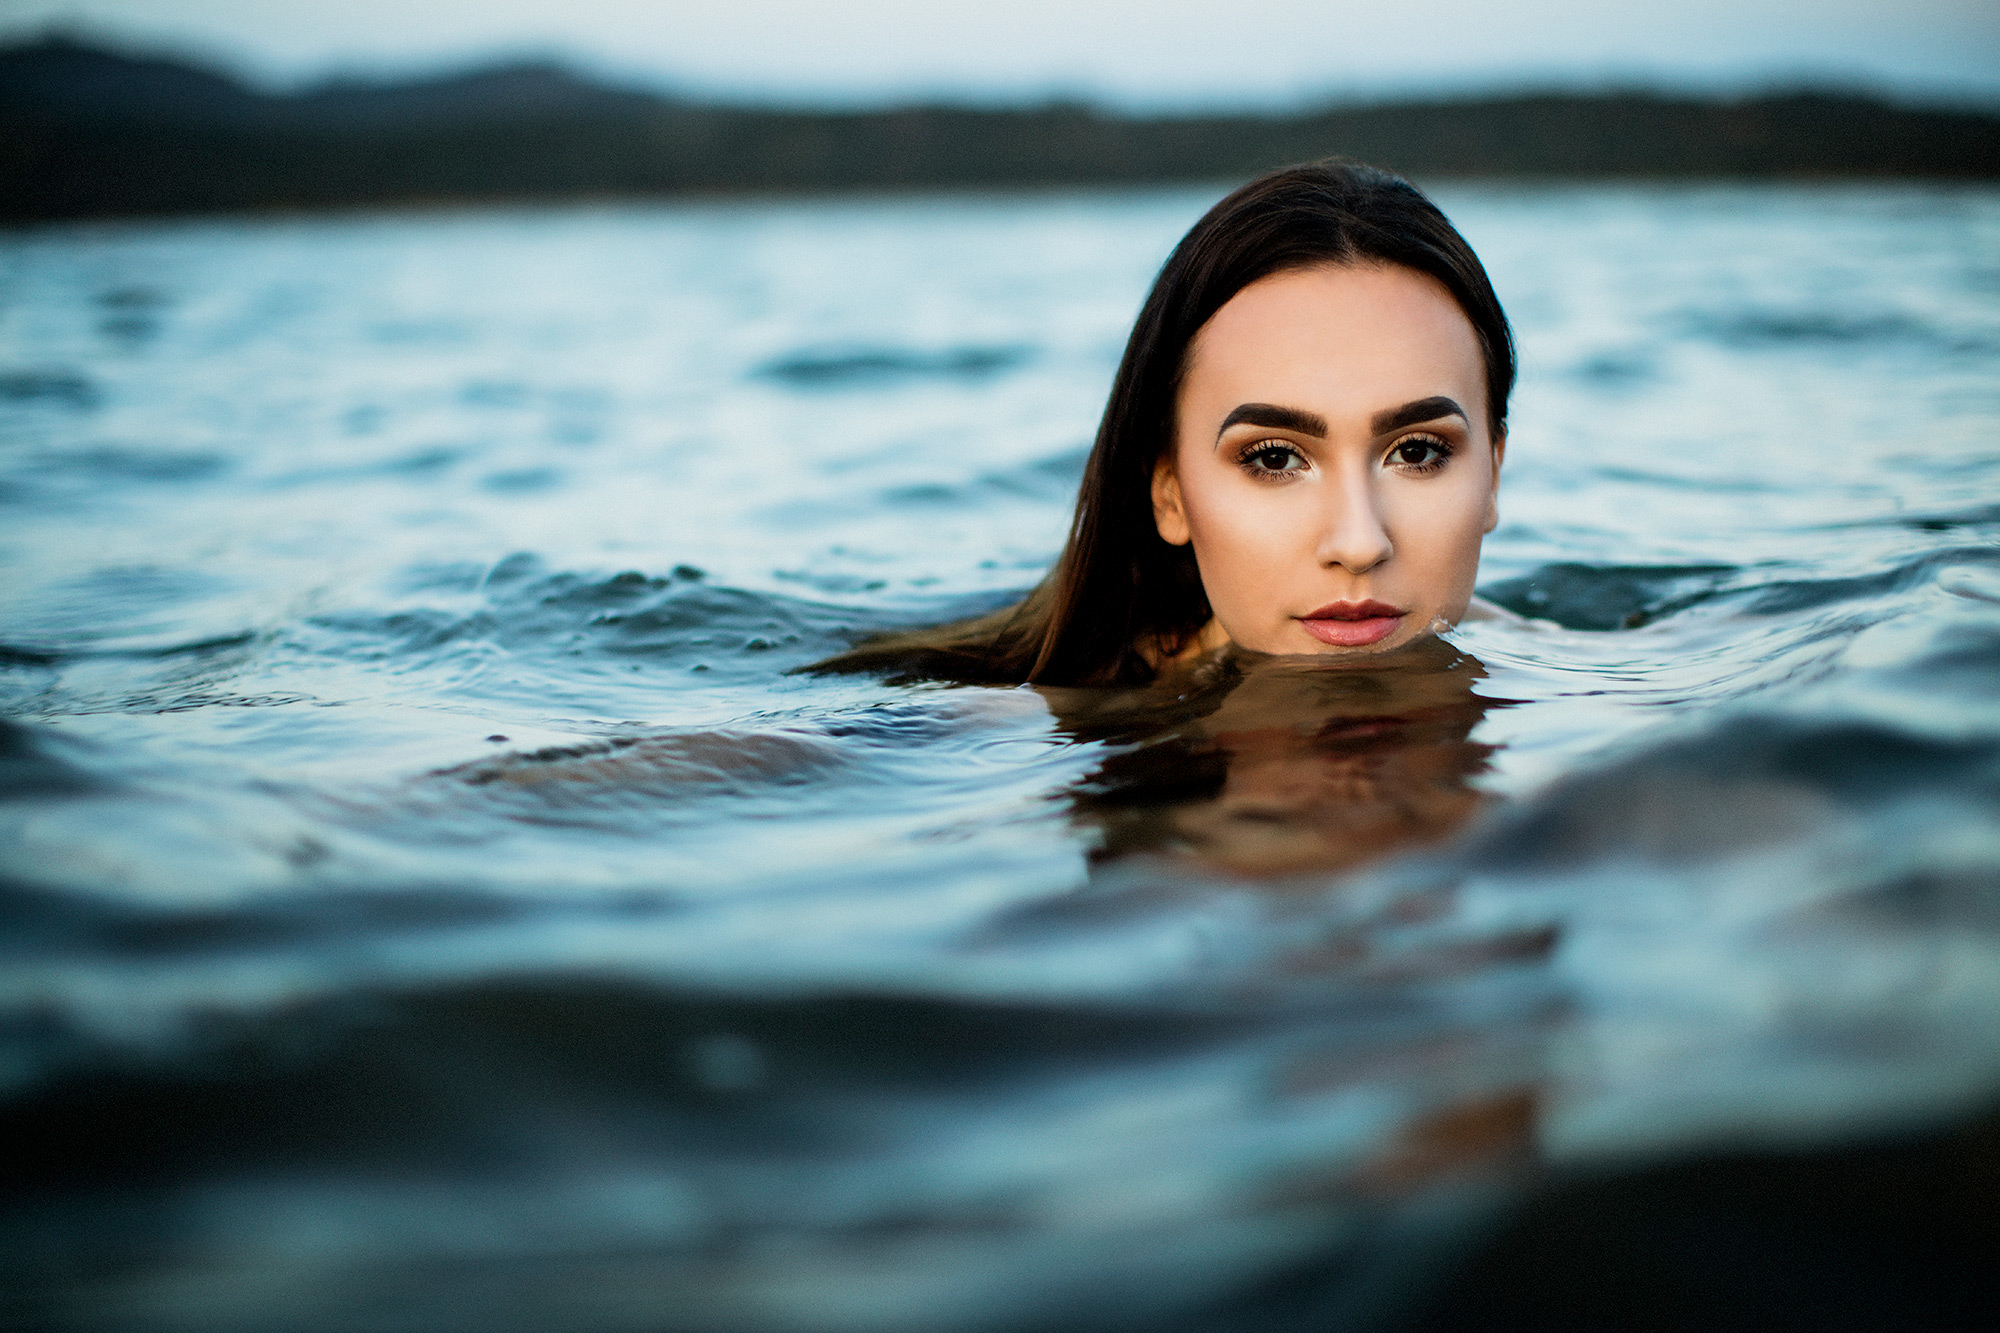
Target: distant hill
[86,131]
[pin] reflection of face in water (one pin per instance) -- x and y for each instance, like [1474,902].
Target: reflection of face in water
[1302,766]
[1292,766]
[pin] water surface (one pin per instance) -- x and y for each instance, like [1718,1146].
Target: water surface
[433,899]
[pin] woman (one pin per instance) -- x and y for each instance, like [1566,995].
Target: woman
[1300,454]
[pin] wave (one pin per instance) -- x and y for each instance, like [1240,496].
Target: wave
[28,770]
[1608,597]
[1817,329]
[1973,516]
[49,384]
[530,611]
[1754,781]
[871,367]
[1614,597]
[38,655]
[136,464]
[571,621]
[1045,479]
[1789,596]
[81,477]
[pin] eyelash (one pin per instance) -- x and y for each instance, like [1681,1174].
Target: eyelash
[1267,449]
[1442,447]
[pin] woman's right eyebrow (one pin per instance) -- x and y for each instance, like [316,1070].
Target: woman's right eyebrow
[1275,418]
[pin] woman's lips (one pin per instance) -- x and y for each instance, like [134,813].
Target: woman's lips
[1352,624]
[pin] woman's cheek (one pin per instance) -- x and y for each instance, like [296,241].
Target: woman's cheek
[1245,546]
[1445,538]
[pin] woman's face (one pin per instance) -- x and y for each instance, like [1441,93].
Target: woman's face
[1332,465]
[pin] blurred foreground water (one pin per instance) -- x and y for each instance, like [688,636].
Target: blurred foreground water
[430,903]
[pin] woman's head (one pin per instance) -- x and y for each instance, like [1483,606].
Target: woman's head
[1325,322]
[1274,340]
[1333,465]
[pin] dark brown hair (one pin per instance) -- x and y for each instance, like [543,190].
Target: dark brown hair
[1120,598]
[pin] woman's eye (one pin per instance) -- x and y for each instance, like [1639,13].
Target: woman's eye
[1272,458]
[1420,454]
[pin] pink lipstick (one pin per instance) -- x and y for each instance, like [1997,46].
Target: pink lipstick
[1352,624]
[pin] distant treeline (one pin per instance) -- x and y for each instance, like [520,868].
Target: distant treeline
[87,132]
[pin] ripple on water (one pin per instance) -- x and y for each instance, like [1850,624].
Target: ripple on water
[887,367]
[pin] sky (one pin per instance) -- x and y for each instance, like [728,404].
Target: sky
[1158,54]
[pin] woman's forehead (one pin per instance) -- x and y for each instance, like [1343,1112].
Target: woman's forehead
[1351,333]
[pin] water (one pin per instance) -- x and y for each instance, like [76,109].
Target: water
[432,903]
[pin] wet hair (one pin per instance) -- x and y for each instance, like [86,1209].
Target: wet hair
[1121,597]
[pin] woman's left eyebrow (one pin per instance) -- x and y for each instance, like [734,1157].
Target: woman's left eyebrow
[1409,414]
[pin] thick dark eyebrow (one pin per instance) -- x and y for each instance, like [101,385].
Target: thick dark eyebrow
[1276,418]
[1409,414]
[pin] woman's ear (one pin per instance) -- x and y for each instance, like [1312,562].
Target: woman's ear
[1493,492]
[1168,515]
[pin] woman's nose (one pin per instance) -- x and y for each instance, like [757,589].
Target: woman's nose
[1354,536]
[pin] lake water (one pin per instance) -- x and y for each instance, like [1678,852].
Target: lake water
[431,901]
